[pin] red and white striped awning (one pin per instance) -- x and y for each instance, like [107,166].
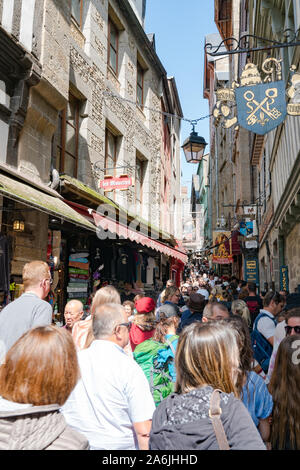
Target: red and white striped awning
[128,233]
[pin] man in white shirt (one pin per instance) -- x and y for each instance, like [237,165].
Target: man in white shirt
[273,305]
[111,404]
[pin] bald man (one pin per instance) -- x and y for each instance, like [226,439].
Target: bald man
[73,313]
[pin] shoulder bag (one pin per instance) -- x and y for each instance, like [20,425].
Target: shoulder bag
[215,412]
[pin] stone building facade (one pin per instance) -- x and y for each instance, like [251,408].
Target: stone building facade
[82,100]
[263,171]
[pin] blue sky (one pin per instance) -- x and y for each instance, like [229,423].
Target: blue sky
[180,27]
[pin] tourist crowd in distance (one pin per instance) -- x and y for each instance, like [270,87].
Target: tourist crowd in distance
[211,364]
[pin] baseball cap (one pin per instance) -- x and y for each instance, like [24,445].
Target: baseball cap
[167,311]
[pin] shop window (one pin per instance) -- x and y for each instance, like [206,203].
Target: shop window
[140,85]
[113,46]
[76,12]
[66,157]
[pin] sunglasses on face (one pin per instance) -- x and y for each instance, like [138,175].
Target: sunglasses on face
[289,329]
[128,325]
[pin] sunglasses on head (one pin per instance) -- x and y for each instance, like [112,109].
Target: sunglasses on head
[289,329]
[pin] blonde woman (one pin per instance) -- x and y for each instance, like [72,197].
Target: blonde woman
[82,330]
[239,307]
[171,295]
[207,358]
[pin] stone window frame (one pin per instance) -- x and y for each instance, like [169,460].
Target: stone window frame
[111,24]
[110,169]
[141,166]
[80,23]
[62,135]
[140,71]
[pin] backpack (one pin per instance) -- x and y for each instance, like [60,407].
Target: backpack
[262,349]
[158,375]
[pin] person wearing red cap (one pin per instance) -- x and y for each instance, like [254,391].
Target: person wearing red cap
[143,325]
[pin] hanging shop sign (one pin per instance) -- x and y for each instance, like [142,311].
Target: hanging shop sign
[222,253]
[261,104]
[110,183]
[246,228]
[284,278]
[251,270]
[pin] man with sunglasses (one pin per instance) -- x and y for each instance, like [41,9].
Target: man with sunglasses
[111,404]
[28,310]
[289,326]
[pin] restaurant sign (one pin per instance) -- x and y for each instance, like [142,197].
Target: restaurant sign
[111,183]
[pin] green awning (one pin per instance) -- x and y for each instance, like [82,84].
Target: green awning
[25,194]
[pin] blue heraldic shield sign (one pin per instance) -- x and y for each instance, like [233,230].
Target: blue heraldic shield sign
[262,107]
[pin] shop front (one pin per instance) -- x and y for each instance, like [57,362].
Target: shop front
[125,255]
[35,225]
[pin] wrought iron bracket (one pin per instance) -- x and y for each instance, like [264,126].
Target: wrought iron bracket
[250,43]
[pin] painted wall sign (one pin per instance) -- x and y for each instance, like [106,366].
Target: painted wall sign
[120,182]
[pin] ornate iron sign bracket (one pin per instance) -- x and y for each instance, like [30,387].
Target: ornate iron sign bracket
[250,43]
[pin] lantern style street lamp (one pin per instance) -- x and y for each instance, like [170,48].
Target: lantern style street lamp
[194,147]
[18,225]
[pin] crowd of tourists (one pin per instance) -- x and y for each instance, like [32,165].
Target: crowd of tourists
[210,364]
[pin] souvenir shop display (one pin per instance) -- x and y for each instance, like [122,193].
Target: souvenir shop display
[79,277]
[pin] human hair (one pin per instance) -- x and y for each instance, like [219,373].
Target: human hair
[252,287]
[209,308]
[128,302]
[41,368]
[137,297]
[105,295]
[294,312]
[162,327]
[239,307]
[275,296]
[245,348]
[206,355]
[106,317]
[243,293]
[168,292]
[145,321]
[76,302]
[284,387]
[34,272]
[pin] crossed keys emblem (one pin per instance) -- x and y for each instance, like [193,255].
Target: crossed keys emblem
[265,112]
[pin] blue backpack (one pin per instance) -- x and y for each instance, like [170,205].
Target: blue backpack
[262,349]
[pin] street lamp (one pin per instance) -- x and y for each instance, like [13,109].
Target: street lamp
[194,147]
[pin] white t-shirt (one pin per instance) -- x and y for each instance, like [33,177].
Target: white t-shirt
[112,394]
[279,335]
[203,292]
[266,325]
